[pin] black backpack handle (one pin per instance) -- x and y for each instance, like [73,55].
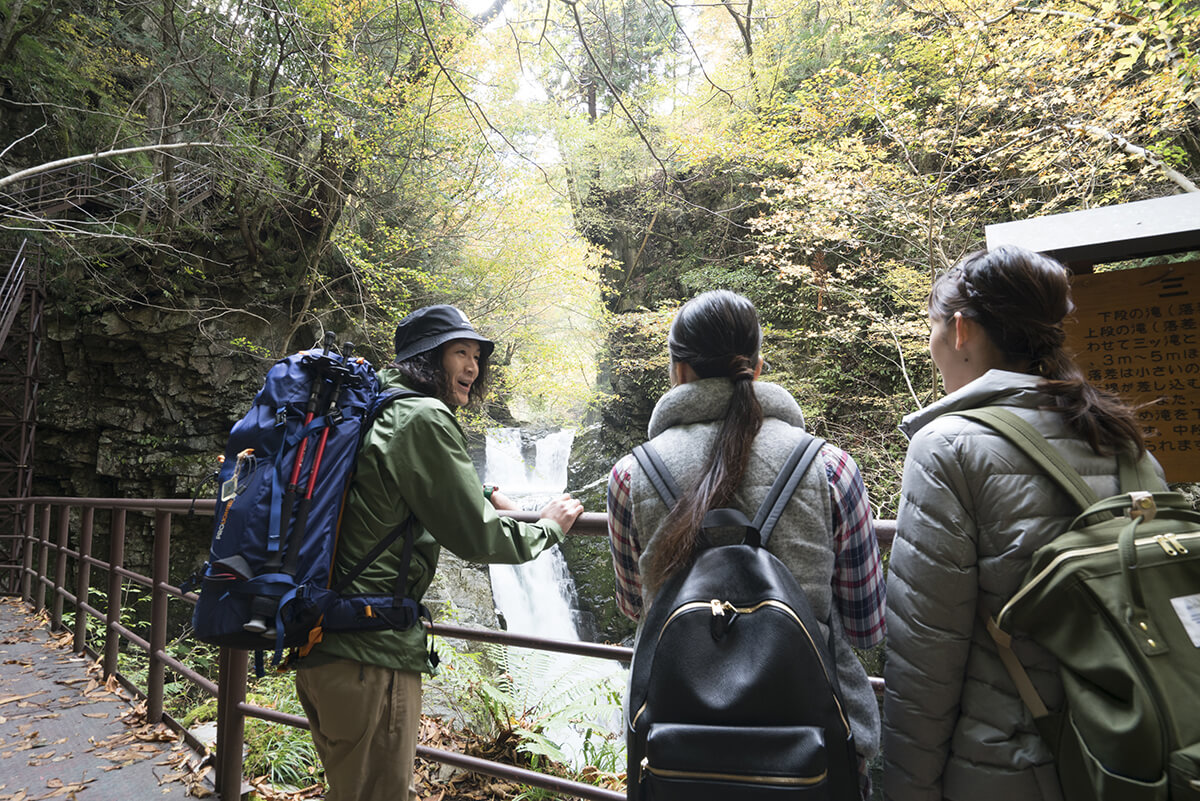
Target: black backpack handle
[733,518]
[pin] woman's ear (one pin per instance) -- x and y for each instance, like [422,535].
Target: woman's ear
[962,331]
[682,373]
[758,368]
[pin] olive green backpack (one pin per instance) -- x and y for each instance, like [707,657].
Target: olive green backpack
[1116,599]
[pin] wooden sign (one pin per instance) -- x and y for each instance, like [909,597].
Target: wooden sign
[1137,333]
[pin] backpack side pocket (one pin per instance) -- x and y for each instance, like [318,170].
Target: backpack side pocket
[1184,771]
[1085,778]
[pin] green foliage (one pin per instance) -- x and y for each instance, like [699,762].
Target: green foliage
[284,754]
[245,344]
[883,138]
[538,698]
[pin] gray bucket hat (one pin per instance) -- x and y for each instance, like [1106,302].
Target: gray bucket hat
[431,326]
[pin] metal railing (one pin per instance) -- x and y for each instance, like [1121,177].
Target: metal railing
[22,307]
[11,292]
[92,186]
[46,545]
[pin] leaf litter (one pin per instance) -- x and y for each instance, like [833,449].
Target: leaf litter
[137,741]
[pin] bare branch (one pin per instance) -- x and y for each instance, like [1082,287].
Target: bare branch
[1178,178]
[16,142]
[473,107]
[574,6]
[21,175]
[692,46]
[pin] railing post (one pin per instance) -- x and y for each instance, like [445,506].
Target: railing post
[234,670]
[39,588]
[27,559]
[83,578]
[155,678]
[60,569]
[116,561]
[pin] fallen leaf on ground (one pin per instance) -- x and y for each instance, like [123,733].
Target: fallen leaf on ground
[9,699]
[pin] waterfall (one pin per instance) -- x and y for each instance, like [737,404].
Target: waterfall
[535,598]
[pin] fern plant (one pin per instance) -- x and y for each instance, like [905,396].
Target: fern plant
[561,709]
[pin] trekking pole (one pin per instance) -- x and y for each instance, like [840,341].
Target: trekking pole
[289,496]
[341,373]
[262,608]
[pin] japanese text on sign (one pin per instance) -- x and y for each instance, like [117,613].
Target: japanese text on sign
[1137,333]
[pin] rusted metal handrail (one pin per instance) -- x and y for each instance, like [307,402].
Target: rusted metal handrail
[11,292]
[38,548]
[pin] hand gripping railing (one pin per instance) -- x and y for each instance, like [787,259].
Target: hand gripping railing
[44,566]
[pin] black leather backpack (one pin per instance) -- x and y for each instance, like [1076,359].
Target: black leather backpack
[733,692]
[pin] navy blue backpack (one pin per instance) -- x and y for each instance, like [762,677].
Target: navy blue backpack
[269,581]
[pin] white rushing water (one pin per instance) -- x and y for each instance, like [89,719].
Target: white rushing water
[535,598]
[538,598]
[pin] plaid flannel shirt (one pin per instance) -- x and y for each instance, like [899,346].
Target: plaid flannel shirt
[858,585]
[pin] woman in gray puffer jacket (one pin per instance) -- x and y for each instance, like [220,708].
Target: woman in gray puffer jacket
[973,509]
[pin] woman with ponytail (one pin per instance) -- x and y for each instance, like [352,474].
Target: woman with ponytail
[973,509]
[724,435]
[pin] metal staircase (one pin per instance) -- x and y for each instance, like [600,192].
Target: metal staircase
[22,304]
[95,191]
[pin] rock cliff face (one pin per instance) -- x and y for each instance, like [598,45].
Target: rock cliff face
[135,404]
[589,558]
[633,381]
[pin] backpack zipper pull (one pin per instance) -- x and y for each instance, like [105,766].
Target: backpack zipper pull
[645,764]
[1164,542]
[718,609]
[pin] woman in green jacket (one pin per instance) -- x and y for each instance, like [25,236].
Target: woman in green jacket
[362,690]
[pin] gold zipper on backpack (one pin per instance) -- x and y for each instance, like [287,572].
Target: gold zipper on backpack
[1172,545]
[718,607]
[783,781]
[1170,542]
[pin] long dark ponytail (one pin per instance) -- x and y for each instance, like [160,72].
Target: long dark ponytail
[716,334]
[1021,298]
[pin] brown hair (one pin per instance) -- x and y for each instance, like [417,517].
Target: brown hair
[1021,298]
[716,334]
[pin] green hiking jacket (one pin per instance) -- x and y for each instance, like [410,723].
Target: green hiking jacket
[414,460]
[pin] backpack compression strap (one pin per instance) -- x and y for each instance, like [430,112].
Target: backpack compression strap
[769,511]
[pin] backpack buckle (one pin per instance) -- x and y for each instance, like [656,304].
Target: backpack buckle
[1142,505]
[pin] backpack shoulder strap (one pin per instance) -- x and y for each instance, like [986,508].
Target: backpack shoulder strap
[1138,474]
[773,504]
[405,529]
[781,491]
[385,398]
[656,470]
[1031,442]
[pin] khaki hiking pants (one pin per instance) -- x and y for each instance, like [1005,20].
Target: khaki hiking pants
[365,721]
